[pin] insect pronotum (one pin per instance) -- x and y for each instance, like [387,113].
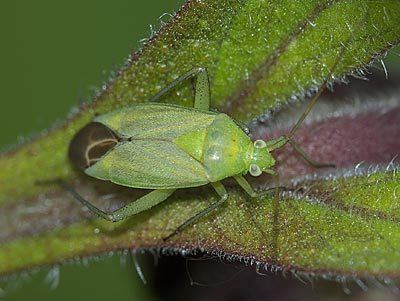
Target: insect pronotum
[167,147]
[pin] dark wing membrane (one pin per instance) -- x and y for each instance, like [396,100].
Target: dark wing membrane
[90,144]
[149,164]
[155,121]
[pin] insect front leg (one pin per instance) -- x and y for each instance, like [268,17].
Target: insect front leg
[245,185]
[220,189]
[202,88]
[145,202]
[250,191]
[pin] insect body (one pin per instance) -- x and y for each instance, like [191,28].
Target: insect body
[177,148]
[166,147]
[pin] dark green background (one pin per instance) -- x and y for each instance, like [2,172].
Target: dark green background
[53,55]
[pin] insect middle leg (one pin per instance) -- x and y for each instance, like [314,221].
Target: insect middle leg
[220,189]
[145,202]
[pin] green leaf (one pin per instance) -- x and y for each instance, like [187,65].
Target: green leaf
[260,54]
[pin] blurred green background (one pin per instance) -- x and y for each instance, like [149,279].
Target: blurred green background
[54,55]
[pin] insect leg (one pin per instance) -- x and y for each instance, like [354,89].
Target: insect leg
[245,185]
[202,91]
[202,82]
[145,202]
[250,191]
[220,189]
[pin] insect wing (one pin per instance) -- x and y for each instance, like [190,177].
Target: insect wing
[155,121]
[149,164]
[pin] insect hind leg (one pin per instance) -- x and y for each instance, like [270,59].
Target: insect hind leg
[202,88]
[145,202]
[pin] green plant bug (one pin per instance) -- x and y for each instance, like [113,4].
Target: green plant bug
[166,147]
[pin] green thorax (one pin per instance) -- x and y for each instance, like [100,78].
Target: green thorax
[223,148]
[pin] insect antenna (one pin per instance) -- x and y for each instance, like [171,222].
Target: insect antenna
[313,100]
[275,226]
[288,139]
[325,83]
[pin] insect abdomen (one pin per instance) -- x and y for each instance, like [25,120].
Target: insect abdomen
[227,149]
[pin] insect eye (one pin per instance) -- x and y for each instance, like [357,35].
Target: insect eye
[254,170]
[259,144]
